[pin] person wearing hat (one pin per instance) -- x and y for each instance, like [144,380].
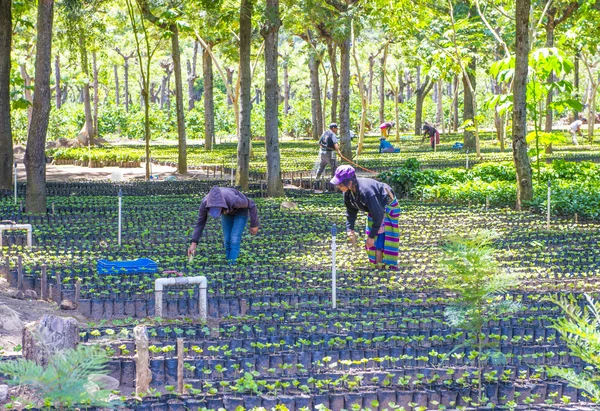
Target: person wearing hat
[378,200]
[329,146]
[233,207]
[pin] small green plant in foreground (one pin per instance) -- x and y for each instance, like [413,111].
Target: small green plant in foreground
[63,383]
[580,328]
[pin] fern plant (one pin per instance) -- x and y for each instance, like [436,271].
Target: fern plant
[63,383]
[580,329]
[471,272]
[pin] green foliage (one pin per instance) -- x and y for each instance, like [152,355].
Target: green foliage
[63,383]
[575,186]
[580,329]
[471,271]
[405,178]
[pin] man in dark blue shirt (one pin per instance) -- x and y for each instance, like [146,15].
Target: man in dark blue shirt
[329,146]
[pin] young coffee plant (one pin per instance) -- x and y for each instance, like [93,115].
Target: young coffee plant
[471,272]
[580,329]
[63,383]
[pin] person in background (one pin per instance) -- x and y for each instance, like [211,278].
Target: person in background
[329,146]
[385,128]
[575,129]
[431,132]
[386,147]
[378,200]
[233,207]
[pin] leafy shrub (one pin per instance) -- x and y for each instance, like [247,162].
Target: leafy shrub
[63,383]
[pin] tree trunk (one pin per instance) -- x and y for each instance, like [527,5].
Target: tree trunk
[370,87]
[126,81]
[28,94]
[469,108]
[182,157]
[382,86]
[455,106]
[96,95]
[87,103]
[57,81]
[35,157]
[345,142]
[243,149]
[439,116]
[315,96]
[6,146]
[117,100]
[576,83]
[191,69]
[421,92]
[230,72]
[519,133]
[335,78]
[271,36]
[286,89]
[550,26]
[209,103]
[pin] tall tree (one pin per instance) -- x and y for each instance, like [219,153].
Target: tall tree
[166,23]
[519,133]
[6,147]
[80,20]
[421,92]
[209,102]
[345,9]
[314,61]
[35,156]
[126,58]
[553,20]
[245,132]
[145,52]
[270,32]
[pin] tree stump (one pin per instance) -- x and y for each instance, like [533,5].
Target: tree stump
[48,336]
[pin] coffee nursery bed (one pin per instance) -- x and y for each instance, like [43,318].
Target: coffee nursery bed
[273,338]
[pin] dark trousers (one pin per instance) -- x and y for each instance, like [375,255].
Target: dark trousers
[327,157]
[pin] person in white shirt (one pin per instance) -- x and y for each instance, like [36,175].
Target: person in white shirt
[575,129]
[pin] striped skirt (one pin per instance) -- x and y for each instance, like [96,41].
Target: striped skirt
[392,235]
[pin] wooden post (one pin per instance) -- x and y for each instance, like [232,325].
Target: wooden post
[7,264]
[77,293]
[57,297]
[143,376]
[44,285]
[180,365]
[20,273]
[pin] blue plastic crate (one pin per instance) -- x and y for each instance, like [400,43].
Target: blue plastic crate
[457,146]
[141,265]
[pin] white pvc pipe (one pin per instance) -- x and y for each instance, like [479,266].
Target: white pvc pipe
[159,283]
[15,173]
[548,212]
[333,272]
[231,171]
[467,159]
[120,215]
